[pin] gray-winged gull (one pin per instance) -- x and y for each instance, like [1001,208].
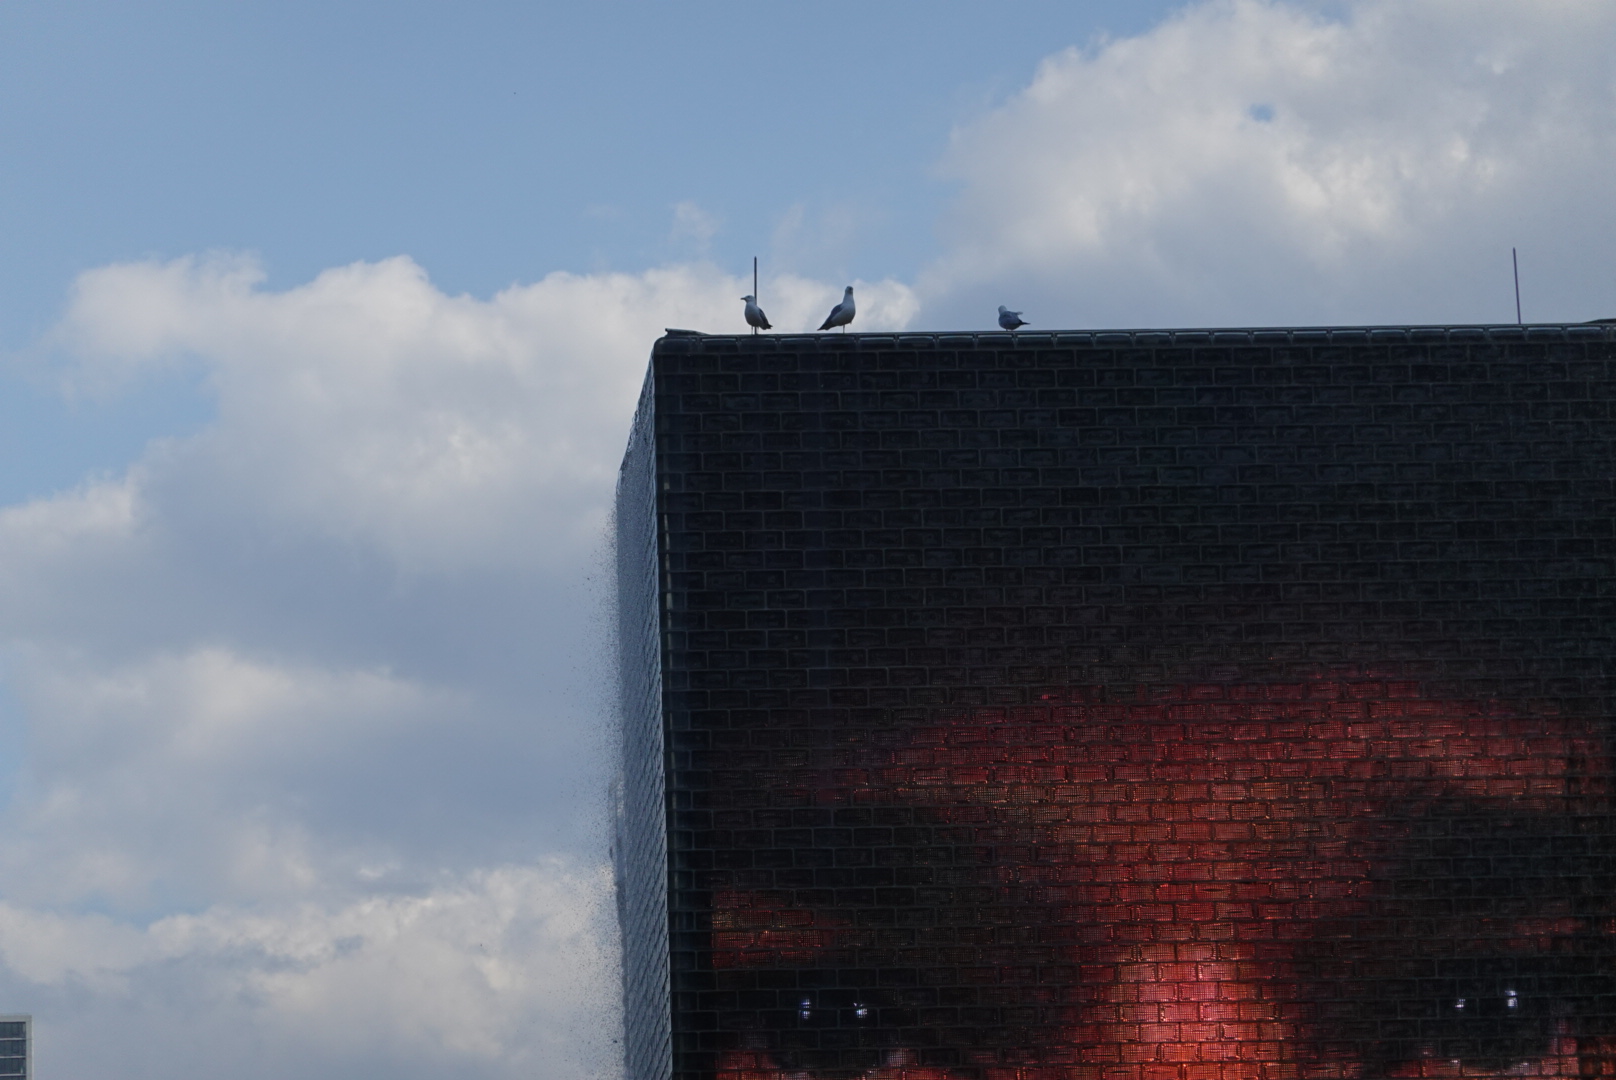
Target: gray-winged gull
[754,315]
[841,314]
[1010,319]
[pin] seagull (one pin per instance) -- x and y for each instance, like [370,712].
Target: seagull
[1010,319]
[754,315]
[841,314]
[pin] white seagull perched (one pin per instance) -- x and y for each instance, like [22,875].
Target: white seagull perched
[1010,319]
[754,315]
[841,314]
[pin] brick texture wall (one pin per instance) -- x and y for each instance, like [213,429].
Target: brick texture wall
[1137,706]
[640,844]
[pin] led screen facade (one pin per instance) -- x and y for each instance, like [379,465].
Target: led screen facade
[1134,706]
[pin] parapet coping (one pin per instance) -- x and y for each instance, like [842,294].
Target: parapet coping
[682,341]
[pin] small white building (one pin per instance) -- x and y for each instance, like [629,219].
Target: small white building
[16,1047]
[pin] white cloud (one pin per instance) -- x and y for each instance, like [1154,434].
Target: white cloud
[311,699]
[369,408]
[1250,161]
[501,973]
[131,753]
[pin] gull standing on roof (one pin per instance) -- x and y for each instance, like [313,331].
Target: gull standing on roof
[754,315]
[841,314]
[1010,319]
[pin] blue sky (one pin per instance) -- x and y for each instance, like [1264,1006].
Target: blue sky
[320,328]
[493,143]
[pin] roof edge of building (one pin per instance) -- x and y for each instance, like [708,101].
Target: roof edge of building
[1434,333]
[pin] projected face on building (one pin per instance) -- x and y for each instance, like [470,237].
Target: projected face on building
[1322,880]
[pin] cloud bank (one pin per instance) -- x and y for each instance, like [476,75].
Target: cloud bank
[309,712]
[1249,162]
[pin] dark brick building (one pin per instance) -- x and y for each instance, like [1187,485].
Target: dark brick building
[1156,705]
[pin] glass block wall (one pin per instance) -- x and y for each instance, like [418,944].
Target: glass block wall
[640,846]
[1138,706]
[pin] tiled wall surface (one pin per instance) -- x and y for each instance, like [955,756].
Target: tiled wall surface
[640,847]
[1145,706]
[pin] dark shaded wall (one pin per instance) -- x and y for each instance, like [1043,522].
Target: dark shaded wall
[922,597]
[640,842]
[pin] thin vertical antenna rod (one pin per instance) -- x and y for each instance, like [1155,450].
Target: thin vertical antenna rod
[755,299]
[1516,262]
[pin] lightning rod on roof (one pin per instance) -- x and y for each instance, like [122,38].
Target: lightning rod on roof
[1515,261]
